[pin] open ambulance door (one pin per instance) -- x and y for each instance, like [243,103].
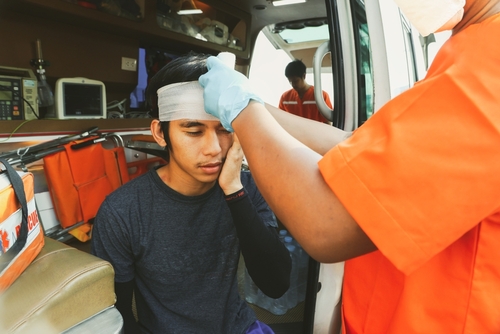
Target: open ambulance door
[362,53]
[375,55]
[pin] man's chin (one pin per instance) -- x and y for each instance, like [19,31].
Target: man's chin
[208,178]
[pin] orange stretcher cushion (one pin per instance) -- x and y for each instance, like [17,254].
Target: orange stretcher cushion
[79,180]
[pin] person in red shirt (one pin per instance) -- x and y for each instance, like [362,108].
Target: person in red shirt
[300,99]
[410,200]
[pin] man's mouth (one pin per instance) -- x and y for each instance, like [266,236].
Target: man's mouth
[212,167]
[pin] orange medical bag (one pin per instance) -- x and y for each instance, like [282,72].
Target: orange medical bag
[21,235]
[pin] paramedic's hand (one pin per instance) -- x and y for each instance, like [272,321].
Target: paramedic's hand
[229,178]
[226,92]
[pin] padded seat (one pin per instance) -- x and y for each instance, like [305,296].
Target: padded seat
[62,287]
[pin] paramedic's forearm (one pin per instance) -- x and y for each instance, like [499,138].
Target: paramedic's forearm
[287,174]
[318,136]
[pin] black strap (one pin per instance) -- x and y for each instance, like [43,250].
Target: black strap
[18,186]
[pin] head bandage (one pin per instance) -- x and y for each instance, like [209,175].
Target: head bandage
[183,100]
[430,15]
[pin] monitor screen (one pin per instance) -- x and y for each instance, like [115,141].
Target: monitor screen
[5,91]
[82,99]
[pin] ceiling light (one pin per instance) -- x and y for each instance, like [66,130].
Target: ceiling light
[189,11]
[287,2]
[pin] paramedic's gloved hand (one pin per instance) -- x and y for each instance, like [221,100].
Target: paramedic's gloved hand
[226,92]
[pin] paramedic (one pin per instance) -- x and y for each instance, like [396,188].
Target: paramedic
[300,99]
[411,199]
[174,234]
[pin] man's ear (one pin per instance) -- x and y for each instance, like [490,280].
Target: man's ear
[157,133]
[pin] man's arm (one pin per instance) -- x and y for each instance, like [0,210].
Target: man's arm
[106,244]
[267,260]
[287,174]
[124,293]
[281,105]
[319,137]
[326,97]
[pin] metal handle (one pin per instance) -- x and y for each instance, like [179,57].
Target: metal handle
[322,50]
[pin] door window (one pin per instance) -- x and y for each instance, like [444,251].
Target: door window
[364,63]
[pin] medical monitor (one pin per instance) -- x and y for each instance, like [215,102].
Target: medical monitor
[80,98]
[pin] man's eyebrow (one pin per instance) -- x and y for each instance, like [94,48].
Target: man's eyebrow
[189,124]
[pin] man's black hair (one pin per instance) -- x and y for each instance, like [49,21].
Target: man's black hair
[182,69]
[295,68]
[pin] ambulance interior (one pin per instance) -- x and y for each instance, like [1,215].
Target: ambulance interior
[102,41]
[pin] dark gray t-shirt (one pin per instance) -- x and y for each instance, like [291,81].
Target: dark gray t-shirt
[181,250]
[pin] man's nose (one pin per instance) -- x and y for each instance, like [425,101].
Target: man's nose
[211,144]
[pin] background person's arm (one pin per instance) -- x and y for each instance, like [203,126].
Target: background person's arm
[280,104]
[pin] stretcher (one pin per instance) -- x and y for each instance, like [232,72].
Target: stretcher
[80,172]
[26,155]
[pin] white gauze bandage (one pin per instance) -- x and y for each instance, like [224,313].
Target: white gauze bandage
[183,100]
[430,15]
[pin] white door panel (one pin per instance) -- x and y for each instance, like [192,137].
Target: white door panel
[330,276]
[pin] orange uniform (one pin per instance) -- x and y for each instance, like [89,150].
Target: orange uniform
[305,107]
[422,179]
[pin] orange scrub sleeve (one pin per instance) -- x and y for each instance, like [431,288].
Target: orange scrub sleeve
[423,170]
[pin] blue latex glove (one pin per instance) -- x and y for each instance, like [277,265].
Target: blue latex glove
[226,92]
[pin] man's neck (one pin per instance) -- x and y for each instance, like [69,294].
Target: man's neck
[303,90]
[183,185]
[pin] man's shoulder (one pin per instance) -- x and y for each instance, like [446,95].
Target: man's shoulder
[130,188]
